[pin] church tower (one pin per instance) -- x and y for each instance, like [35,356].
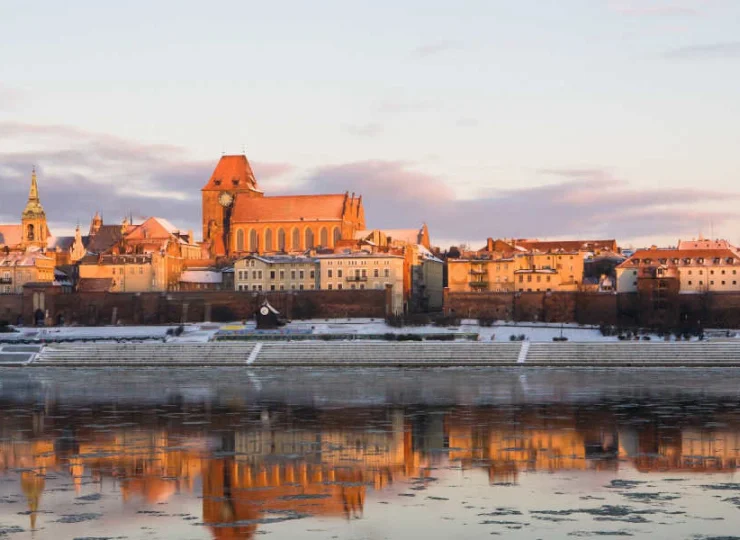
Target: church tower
[232,178]
[35,230]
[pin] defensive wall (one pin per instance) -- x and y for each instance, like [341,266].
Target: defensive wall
[95,308]
[652,309]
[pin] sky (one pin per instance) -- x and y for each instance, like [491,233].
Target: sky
[492,118]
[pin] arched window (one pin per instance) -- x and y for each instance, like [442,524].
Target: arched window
[240,240]
[296,240]
[253,241]
[281,240]
[31,233]
[337,235]
[324,237]
[268,240]
[309,238]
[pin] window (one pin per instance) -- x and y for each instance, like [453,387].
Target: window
[272,275]
[282,274]
[254,274]
[300,286]
[324,237]
[309,239]
[701,283]
[292,286]
[364,273]
[352,286]
[723,283]
[281,240]
[339,272]
[689,272]
[296,239]
[690,283]
[329,286]
[268,240]
[272,287]
[362,285]
[282,287]
[113,271]
[300,274]
[387,272]
[521,279]
[339,286]
[312,274]
[259,274]
[711,272]
[240,240]
[529,278]
[329,273]
[292,274]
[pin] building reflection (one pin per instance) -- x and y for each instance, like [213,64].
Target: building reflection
[280,464]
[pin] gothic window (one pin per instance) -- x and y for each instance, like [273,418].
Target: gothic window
[268,240]
[253,241]
[31,233]
[281,240]
[296,240]
[240,240]
[309,238]
[337,235]
[324,237]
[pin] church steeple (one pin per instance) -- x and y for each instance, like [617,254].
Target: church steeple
[35,230]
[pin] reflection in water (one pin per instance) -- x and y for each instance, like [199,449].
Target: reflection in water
[254,465]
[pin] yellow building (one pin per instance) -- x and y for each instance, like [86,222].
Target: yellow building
[276,273]
[517,272]
[18,268]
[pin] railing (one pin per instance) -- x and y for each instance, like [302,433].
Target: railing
[478,272]
[356,278]
[478,284]
[6,281]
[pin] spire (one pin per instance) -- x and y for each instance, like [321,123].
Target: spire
[33,194]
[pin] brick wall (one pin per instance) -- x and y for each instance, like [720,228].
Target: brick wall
[192,306]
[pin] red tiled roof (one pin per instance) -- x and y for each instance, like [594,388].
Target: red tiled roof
[288,208]
[568,245]
[232,172]
[11,235]
[656,254]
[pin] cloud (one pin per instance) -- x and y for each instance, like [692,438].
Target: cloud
[712,51]
[435,48]
[9,98]
[82,172]
[666,8]
[364,130]
[585,202]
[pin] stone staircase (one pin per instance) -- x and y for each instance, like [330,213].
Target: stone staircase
[377,354]
[18,355]
[145,354]
[380,354]
[634,354]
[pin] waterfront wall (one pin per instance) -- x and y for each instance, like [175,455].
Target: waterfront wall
[97,308]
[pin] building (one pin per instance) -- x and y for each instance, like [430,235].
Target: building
[20,268]
[276,273]
[146,257]
[517,272]
[423,272]
[201,279]
[33,231]
[239,219]
[364,270]
[696,270]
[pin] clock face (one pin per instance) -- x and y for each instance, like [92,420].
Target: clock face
[264,310]
[225,199]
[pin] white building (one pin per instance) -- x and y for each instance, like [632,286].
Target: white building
[276,273]
[363,270]
[699,270]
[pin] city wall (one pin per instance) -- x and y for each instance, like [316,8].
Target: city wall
[165,308]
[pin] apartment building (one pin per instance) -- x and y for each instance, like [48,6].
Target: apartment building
[697,270]
[364,270]
[276,273]
[19,268]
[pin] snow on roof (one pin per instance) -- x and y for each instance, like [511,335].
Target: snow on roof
[201,276]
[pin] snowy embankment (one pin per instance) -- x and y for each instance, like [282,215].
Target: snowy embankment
[204,332]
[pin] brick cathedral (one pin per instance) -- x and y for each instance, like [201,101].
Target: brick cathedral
[238,218]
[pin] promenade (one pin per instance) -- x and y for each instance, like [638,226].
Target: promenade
[375,354]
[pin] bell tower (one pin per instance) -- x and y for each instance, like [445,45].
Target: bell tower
[231,179]
[35,230]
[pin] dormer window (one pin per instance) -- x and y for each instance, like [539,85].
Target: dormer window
[687,261]
[730,260]
[674,261]
[235,181]
[635,261]
[662,261]
[700,260]
[647,261]
[217,182]
[716,260]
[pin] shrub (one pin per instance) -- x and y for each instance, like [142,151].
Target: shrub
[486,321]
[447,320]
[522,337]
[409,337]
[512,337]
[441,337]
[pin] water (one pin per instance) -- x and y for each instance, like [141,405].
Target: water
[369,454]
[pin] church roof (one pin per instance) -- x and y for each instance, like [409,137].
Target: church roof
[232,172]
[288,208]
[105,238]
[11,235]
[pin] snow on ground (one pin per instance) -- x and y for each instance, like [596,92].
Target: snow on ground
[203,332]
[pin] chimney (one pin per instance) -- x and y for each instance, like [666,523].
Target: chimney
[489,244]
[191,238]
